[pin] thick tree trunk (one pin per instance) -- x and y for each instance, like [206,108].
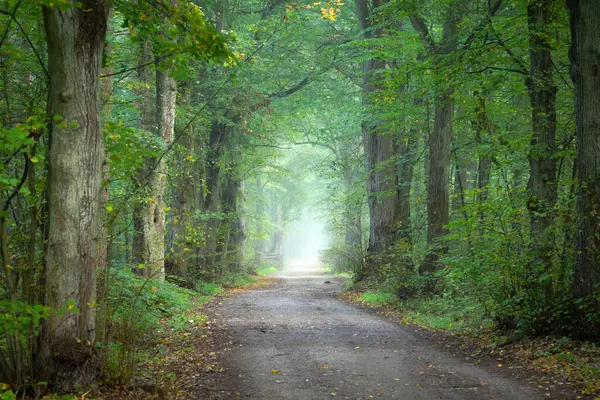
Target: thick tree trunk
[439,166]
[438,180]
[542,183]
[585,58]
[75,42]
[382,180]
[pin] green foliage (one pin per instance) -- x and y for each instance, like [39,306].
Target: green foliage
[265,271]
[22,319]
[177,33]
[208,288]
[379,298]
[134,310]
[8,395]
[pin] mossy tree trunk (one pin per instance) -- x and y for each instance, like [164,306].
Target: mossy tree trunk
[75,38]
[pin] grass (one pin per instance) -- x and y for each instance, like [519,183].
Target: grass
[567,360]
[265,271]
[208,289]
[460,315]
[378,298]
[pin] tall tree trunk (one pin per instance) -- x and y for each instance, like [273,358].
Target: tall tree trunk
[236,232]
[439,167]
[405,174]
[166,94]
[219,134]
[141,224]
[259,242]
[585,59]
[382,180]
[185,203]
[352,211]
[150,216]
[438,179]
[106,89]
[542,183]
[482,127]
[75,42]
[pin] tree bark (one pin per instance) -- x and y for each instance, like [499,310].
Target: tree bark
[438,180]
[219,134]
[585,59]
[439,166]
[542,183]
[185,204]
[482,127]
[382,180]
[75,38]
[144,176]
[405,170]
[150,216]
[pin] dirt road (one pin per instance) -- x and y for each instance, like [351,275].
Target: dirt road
[297,341]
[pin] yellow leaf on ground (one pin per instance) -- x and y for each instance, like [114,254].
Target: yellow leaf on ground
[274,371]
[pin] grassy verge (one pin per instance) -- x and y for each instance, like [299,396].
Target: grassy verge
[266,271]
[158,335]
[562,359]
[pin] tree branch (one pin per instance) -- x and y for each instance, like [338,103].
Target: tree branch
[291,90]
[419,24]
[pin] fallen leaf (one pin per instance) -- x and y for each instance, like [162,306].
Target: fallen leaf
[274,371]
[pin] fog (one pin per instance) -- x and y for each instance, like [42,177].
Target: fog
[304,239]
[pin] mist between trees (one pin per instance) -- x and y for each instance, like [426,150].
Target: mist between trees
[448,148]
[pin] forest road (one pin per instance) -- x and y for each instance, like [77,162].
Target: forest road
[298,341]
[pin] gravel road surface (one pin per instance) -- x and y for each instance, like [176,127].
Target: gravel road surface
[298,341]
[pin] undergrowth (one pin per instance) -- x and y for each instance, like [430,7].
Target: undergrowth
[136,311]
[268,270]
[573,361]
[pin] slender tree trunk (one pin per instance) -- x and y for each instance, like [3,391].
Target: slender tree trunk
[141,224]
[405,174]
[236,234]
[542,183]
[482,127]
[149,225]
[277,236]
[585,59]
[75,42]
[219,134]
[185,204]
[106,89]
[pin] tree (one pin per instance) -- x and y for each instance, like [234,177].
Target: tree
[378,145]
[75,36]
[585,59]
[542,183]
[440,140]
